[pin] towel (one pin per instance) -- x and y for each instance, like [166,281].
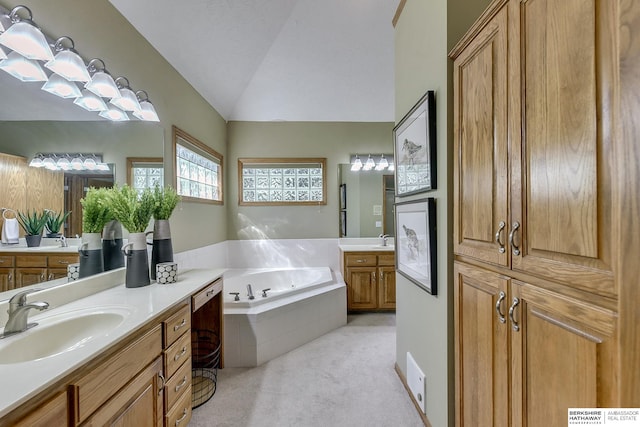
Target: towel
[10,229]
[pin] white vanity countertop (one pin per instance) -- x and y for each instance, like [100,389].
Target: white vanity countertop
[47,245]
[367,248]
[25,379]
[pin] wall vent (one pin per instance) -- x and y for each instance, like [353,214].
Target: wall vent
[416,382]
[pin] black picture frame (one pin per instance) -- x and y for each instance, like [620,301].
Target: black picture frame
[416,250]
[343,196]
[414,143]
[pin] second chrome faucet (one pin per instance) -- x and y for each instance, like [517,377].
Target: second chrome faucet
[19,313]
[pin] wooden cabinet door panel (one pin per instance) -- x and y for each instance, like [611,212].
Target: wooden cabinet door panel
[481,348]
[7,277]
[563,162]
[562,356]
[362,289]
[480,145]
[387,287]
[29,276]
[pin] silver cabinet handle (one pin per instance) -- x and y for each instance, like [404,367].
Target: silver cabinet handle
[10,278]
[42,277]
[179,386]
[63,262]
[514,324]
[360,260]
[514,228]
[184,415]
[182,353]
[498,304]
[501,226]
[162,382]
[180,325]
[374,276]
[50,277]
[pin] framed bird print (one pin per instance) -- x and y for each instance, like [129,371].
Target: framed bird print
[416,242]
[415,148]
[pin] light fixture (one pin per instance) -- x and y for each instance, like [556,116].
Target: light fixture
[90,101]
[49,163]
[127,100]
[67,62]
[114,114]
[69,161]
[61,87]
[90,164]
[24,37]
[23,69]
[3,55]
[147,112]
[356,165]
[382,164]
[369,164]
[36,162]
[64,163]
[77,163]
[101,83]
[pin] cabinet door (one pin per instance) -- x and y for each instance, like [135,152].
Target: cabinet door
[56,273]
[387,288]
[480,145]
[562,356]
[138,404]
[30,276]
[52,413]
[362,289]
[561,185]
[6,279]
[481,347]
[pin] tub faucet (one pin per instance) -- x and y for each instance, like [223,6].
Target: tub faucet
[236,295]
[63,242]
[384,238]
[19,311]
[264,292]
[250,292]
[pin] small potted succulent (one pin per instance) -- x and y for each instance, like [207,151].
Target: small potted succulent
[165,201]
[95,214]
[54,222]
[33,224]
[134,212]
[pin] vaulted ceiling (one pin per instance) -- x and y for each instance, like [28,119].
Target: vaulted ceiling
[278,60]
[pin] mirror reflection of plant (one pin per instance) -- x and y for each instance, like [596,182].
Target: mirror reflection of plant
[32,222]
[164,202]
[133,210]
[55,221]
[95,210]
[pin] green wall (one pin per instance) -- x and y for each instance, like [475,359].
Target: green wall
[334,140]
[100,31]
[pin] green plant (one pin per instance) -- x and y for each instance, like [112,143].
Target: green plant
[55,221]
[164,202]
[133,210]
[95,210]
[32,223]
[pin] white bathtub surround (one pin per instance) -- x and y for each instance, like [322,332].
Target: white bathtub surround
[260,330]
[212,256]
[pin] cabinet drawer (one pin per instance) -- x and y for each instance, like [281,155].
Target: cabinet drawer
[175,355]
[360,260]
[387,259]
[104,381]
[52,413]
[201,298]
[176,325]
[7,260]
[31,260]
[180,415]
[60,261]
[178,384]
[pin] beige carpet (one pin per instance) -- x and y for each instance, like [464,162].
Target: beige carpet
[344,378]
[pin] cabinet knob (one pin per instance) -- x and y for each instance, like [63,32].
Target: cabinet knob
[162,382]
[180,325]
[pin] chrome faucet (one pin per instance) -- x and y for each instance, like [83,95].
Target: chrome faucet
[250,292]
[384,238]
[19,311]
[63,242]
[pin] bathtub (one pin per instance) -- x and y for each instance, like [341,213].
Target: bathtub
[301,305]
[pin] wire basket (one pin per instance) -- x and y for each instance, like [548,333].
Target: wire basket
[205,351]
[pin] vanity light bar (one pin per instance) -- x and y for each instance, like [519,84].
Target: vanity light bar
[69,161]
[378,162]
[25,47]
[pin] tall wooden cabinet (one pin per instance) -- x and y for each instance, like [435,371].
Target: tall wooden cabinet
[536,321]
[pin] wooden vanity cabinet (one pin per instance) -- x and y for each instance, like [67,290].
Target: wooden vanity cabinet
[177,366]
[18,270]
[7,272]
[53,413]
[370,279]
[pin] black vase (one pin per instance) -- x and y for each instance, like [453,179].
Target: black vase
[33,241]
[162,250]
[112,246]
[90,251]
[135,251]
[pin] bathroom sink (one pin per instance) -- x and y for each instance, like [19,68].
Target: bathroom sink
[60,333]
[53,249]
[384,247]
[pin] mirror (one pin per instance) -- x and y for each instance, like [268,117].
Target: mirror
[33,121]
[369,197]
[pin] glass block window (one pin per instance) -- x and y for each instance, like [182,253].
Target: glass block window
[198,169]
[289,181]
[145,172]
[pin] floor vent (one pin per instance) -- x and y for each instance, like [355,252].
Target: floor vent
[415,379]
